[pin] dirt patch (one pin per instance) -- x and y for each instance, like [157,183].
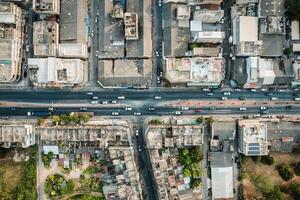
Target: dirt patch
[10,176]
[260,169]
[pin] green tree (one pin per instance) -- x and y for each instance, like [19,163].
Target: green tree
[293,189]
[55,119]
[287,51]
[297,169]
[255,159]
[285,172]
[200,119]
[262,183]
[268,160]
[196,154]
[293,9]
[186,172]
[74,117]
[196,183]
[40,121]
[209,120]
[85,118]
[155,122]
[275,194]
[65,119]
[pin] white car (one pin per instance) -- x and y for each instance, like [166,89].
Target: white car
[94,102]
[157,97]
[95,97]
[177,113]
[113,102]
[121,97]
[151,109]
[184,108]
[136,133]
[89,93]
[115,113]
[156,53]
[223,98]
[137,113]
[128,108]
[263,108]
[104,102]
[83,109]
[273,98]
[253,90]
[243,108]
[227,93]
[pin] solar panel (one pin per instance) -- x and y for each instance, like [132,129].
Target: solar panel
[253,152]
[253,148]
[253,144]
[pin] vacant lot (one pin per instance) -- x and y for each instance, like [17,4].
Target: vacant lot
[10,175]
[269,172]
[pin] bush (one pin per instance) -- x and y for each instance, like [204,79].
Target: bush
[47,158]
[196,183]
[285,172]
[275,194]
[155,122]
[297,169]
[56,185]
[287,51]
[244,175]
[268,160]
[200,119]
[256,159]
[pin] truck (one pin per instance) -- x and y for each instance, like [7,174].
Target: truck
[39,113]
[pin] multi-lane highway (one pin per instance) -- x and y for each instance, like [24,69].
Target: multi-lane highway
[144,111]
[139,95]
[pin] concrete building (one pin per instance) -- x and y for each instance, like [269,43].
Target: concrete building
[56,72]
[223,136]
[124,72]
[11,42]
[221,176]
[72,50]
[131,26]
[252,138]
[175,135]
[50,7]
[45,38]
[17,135]
[295,33]
[195,71]
[255,72]
[73,24]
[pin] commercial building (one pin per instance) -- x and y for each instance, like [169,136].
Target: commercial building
[49,7]
[73,24]
[72,50]
[252,138]
[195,71]
[11,42]
[125,45]
[56,72]
[17,135]
[223,136]
[45,38]
[221,176]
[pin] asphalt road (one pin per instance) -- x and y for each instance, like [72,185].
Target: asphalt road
[144,111]
[141,95]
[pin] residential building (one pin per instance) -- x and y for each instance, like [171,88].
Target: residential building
[49,7]
[17,135]
[57,72]
[223,136]
[45,38]
[163,142]
[195,71]
[131,26]
[11,42]
[252,138]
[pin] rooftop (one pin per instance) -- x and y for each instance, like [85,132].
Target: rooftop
[17,134]
[222,176]
[73,21]
[253,137]
[56,72]
[46,6]
[196,70]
